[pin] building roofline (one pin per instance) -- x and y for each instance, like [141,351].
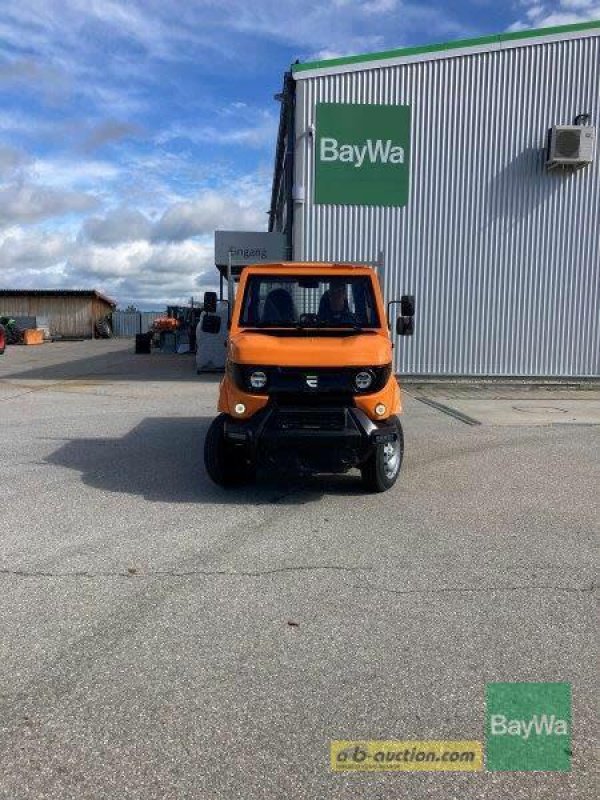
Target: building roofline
[495,41]
[58,293]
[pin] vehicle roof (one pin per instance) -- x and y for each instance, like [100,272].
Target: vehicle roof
[307,267]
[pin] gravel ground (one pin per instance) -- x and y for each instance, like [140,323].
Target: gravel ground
[146,647]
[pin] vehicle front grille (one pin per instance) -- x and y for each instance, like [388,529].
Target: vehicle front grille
[304,419]
[301,400]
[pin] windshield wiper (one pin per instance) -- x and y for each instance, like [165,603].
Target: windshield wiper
[319,325]
[354,325]
[255,325]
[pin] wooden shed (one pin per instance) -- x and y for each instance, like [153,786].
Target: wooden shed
[68,313]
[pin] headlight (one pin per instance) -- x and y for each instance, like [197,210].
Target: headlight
[258,380]
[363,380]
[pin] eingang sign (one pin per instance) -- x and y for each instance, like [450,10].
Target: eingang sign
[362,154]
[248,247]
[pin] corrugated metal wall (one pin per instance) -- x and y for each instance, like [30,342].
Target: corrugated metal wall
[503,257]
[127,324]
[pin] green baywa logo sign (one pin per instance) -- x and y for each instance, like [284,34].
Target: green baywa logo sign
[528,726]
[362,154]
[543,724]
[375,151]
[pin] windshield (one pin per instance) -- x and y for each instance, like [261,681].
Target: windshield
[344,301]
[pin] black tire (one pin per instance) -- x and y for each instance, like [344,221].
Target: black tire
[378,474]
[225,465]
[103,329]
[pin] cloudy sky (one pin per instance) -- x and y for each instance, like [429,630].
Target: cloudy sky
[131,129]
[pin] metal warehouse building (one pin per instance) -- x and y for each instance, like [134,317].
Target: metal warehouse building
[470,172]
[68,313]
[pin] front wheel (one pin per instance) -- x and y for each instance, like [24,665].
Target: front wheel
[226,466]
[382,468]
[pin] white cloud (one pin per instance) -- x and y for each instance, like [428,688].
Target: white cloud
[27,203]
[130,256]
[327,54]
[536,14]
[254,128]
[19,125]
[108,132]
[119,225]
[29,73]
[12,162]
[74,172]
[148,274]
[380,6]
[341,26]
[27,254]
[151,275]
[61,31]
[209,211]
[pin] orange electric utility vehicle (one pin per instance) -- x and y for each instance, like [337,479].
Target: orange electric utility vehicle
[309,381]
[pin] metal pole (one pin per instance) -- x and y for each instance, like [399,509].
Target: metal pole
[379,269]
[229,286]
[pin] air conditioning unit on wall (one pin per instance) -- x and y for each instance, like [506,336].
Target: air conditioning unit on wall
[571,146]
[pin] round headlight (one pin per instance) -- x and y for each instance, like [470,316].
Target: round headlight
[380,409]
[363,380]
[240,408]
[258,380]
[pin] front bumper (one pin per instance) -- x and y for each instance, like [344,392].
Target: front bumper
[315,437]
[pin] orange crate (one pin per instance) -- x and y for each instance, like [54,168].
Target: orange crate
[33,336]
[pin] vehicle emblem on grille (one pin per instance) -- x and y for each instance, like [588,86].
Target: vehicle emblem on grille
[312,381]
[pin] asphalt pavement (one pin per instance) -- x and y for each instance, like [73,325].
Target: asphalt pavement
[164,638]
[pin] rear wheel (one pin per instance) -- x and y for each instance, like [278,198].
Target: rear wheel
[382,468]
[226,465]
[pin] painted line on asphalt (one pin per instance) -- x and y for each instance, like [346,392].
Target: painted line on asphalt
[451,412]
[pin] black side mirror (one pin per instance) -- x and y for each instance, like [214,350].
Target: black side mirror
[211,323]
[405,326]
[210,302]
[407,305]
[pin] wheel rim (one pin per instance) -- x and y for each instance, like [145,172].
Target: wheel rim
[391,459]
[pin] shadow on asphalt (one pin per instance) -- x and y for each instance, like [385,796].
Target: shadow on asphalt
[112,366]
[161,459]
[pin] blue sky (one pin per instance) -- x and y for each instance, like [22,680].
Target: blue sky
[129,131]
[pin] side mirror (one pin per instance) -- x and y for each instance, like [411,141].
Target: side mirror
[210,302]
[211,323]
[407,305]
[405,326]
